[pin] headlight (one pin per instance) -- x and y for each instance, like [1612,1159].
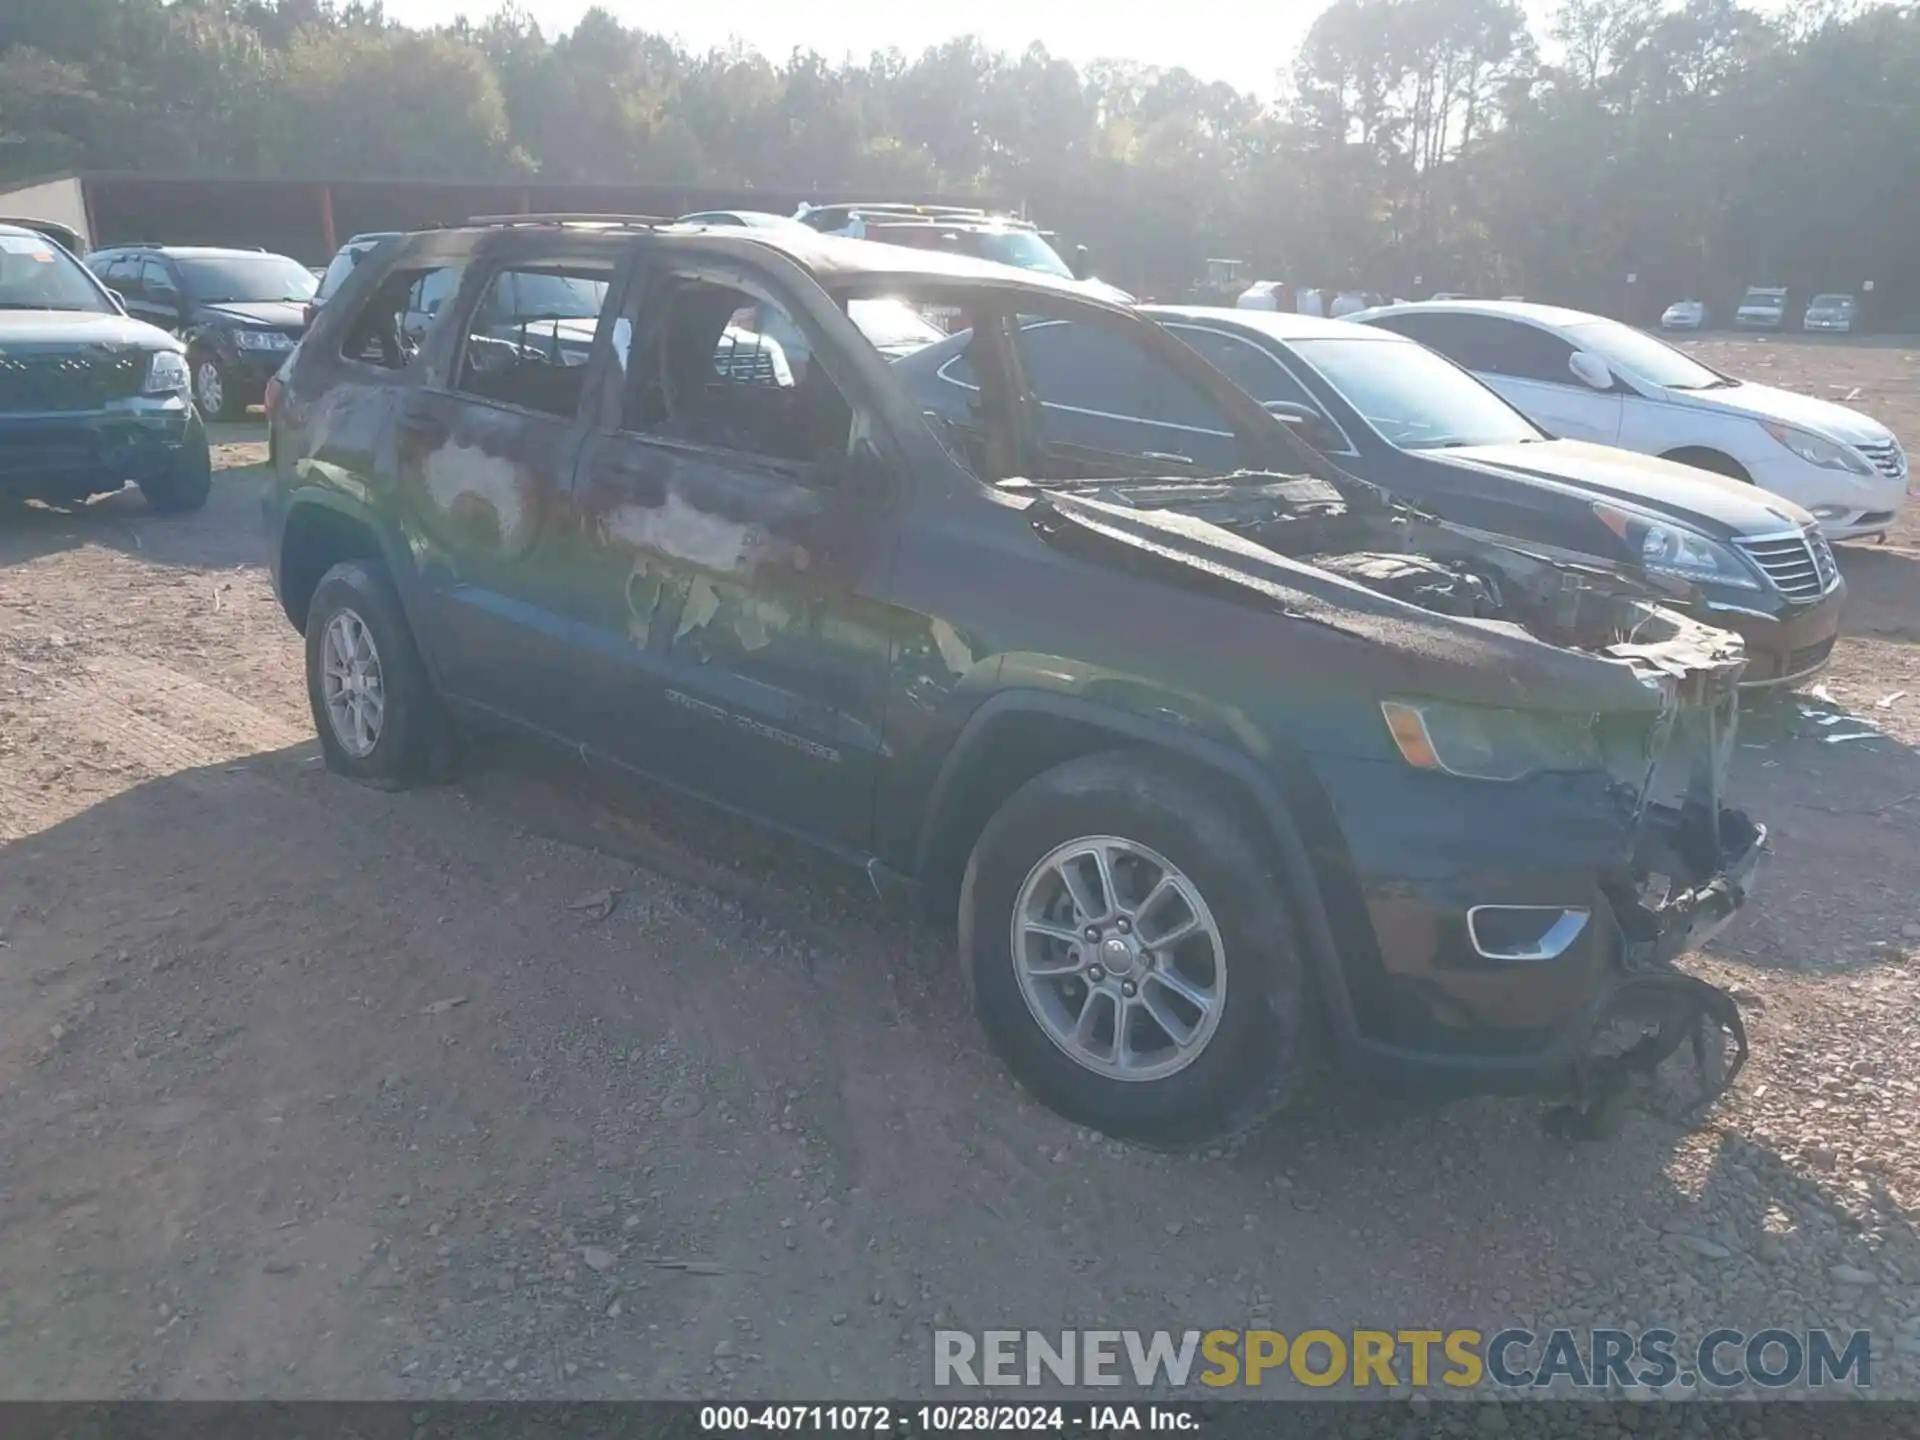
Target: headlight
[261,340]
[1663,548]
[166,374]
[1486,744]
[1817,450]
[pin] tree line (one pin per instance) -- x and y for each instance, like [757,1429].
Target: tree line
[1415,145]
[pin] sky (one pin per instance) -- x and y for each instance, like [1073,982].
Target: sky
[1245,45]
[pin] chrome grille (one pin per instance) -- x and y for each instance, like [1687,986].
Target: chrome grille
[74,380]
[1887,459]
[1800,565]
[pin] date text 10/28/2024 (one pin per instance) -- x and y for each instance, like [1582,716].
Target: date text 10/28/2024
[945,1419]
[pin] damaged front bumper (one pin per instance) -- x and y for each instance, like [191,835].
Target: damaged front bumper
[1578,999]
[1714,858]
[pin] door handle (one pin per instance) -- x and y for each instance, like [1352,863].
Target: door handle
[1166,455]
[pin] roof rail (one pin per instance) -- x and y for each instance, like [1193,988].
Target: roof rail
[624,222]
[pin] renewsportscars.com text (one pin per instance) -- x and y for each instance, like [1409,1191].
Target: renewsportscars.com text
[1513,1359]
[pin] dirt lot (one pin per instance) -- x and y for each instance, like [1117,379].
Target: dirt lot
[311,1091]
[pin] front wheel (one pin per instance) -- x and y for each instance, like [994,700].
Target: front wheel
[1131,954]
[212,391]
[379,718]
[188,480]
[1712,461]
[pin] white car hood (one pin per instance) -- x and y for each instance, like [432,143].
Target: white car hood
[1764,402]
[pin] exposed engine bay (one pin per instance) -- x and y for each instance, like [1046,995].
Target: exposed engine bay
[1358,535]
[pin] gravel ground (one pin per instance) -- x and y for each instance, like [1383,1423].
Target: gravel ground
[548,1085]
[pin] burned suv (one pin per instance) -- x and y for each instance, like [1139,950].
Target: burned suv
[1220,773]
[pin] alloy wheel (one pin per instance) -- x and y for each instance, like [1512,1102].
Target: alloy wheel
[1119,959]
[210,388]
[351,684]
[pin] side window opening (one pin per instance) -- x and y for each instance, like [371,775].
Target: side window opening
[1252,369]
[719,366]
[1100,389]
[530,335]
[155,280]
[389,328]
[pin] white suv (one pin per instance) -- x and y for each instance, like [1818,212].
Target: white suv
[1585,377]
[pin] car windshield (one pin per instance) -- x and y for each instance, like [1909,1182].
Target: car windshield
[246,279]
[538,296]
[1765,299]
[1413,397]
[36,274]
[1644,357]
[1022,248]
[343,265]
[892,324]
[1831,302]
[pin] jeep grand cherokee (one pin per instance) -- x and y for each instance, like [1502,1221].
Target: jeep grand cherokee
[1216,772]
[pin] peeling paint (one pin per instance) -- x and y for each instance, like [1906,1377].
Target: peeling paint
[957,654]
[703,603]
[760,619]
[678,529]
[463,481]
[646,589]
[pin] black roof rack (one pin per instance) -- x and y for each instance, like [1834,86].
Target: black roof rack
[623,222]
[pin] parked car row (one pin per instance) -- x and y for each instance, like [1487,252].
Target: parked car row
[240,312]
[1588,378]
[1764,307]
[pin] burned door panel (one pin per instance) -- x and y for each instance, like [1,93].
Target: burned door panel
[731,551]
[751,653]
[481,489]
[485,467]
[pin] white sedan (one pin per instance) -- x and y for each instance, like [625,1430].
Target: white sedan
[1683,315]
[1585,377]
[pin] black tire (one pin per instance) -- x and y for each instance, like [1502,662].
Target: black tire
[1711,461]
[227,405]
[414,736]
[1260,1054]
[186,483]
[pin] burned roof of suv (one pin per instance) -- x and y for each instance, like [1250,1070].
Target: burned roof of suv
[835,257]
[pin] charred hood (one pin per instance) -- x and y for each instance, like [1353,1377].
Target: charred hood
[1434,608]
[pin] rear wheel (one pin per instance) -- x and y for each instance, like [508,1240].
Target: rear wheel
[1130,953]
[379,719]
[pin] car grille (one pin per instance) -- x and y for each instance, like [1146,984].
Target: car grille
[72,381]
[1887,459]
[1801,566]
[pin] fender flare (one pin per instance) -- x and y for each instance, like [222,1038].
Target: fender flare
[1289,849]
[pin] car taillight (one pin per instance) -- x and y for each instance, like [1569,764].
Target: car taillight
[309,310]
[271,401]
